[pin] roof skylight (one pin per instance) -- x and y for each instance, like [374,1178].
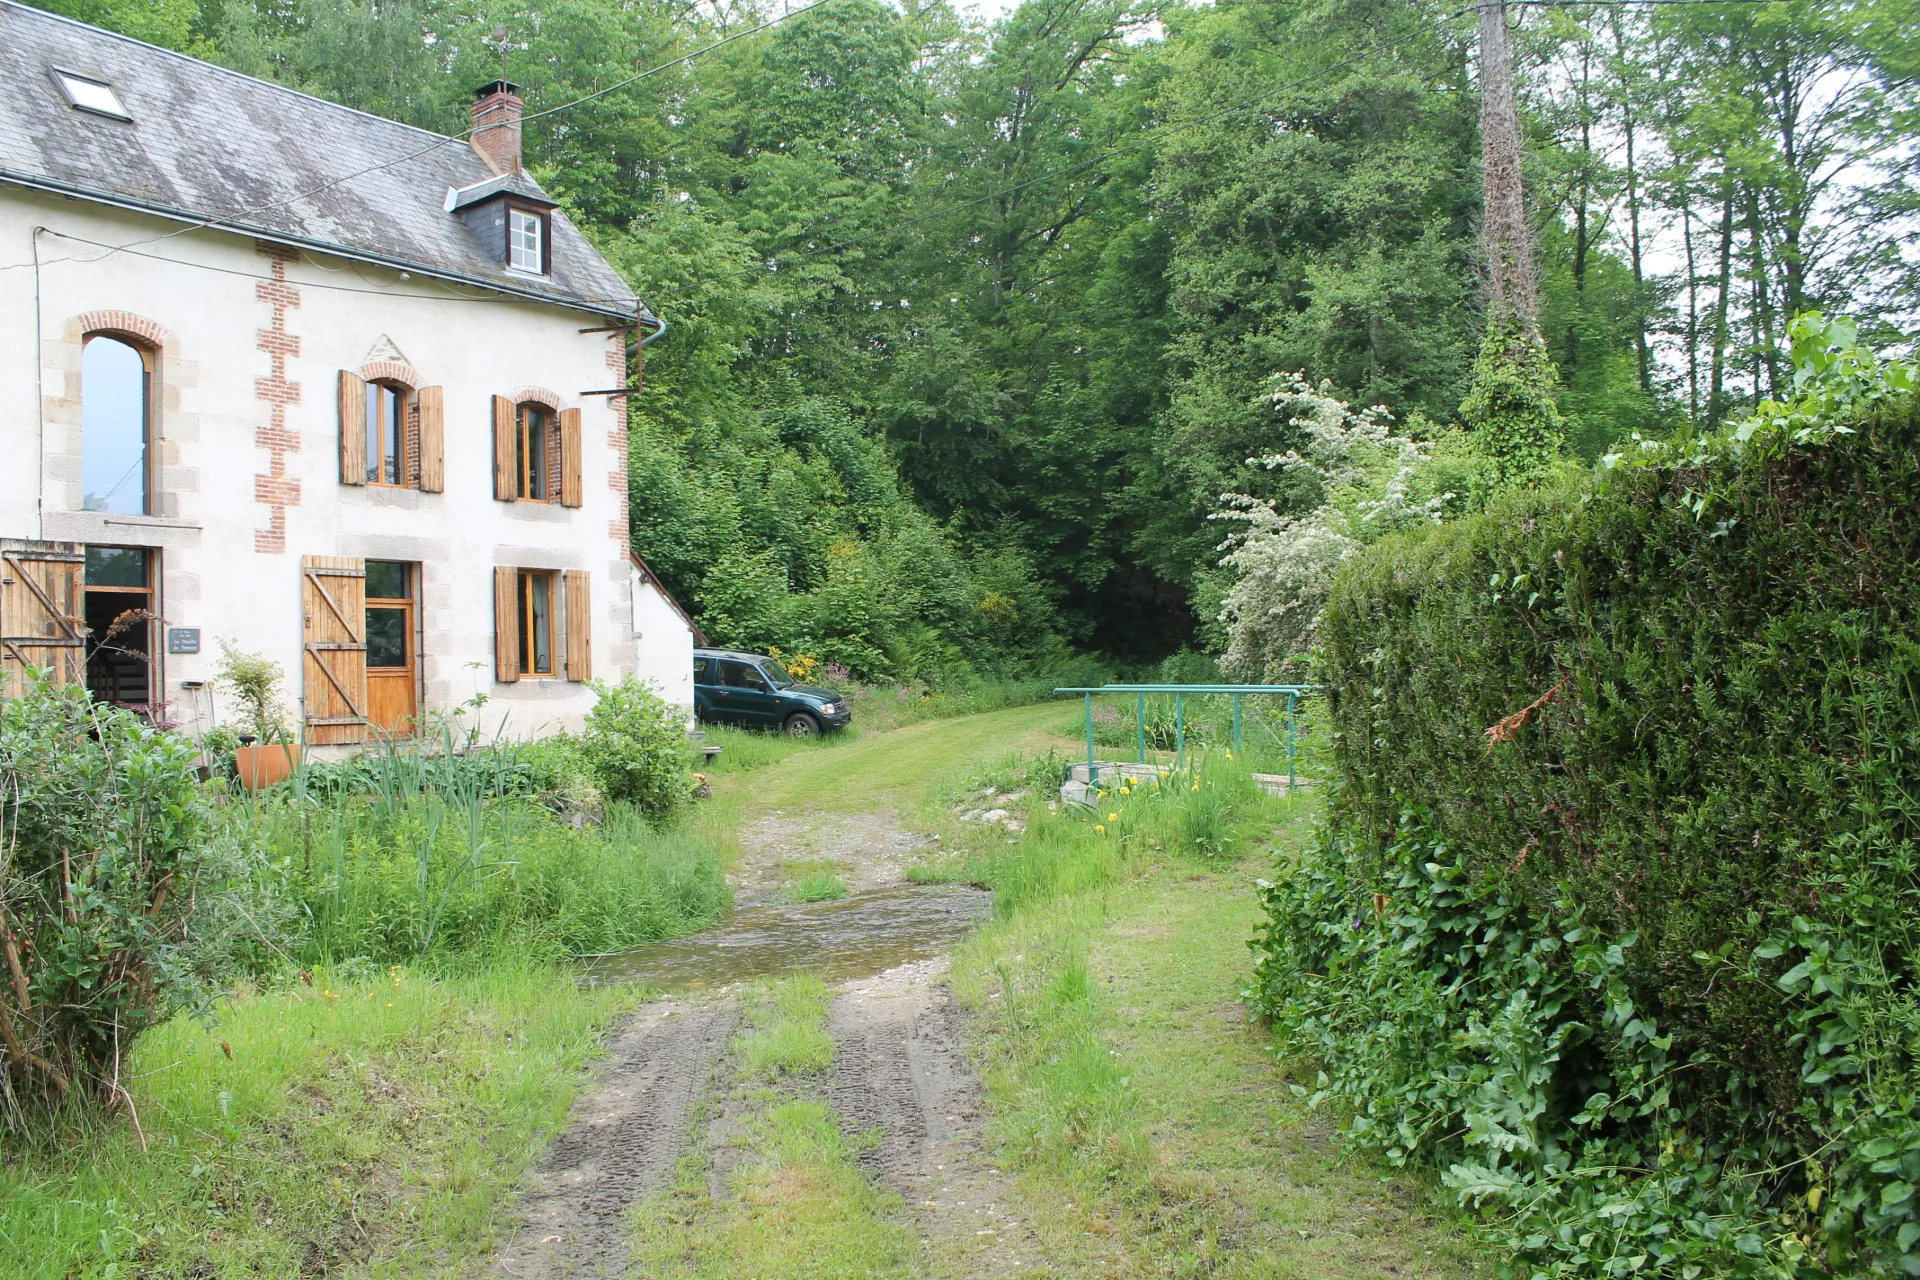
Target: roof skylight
[91,95]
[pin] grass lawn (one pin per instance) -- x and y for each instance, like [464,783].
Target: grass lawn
[368,1128]
[1153,1130]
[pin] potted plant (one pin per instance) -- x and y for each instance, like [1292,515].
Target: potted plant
[267,753]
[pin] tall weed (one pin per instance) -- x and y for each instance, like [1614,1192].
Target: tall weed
[434,875]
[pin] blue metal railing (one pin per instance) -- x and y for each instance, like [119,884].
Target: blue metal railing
[1291,692]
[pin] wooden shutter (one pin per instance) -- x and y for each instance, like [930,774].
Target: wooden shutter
[570,490]
[333,603]
[353,428]
[506,624]
[42,613]
[579,585]
[433,440]
[506,454]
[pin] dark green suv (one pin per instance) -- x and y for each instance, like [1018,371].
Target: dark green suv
[752,689]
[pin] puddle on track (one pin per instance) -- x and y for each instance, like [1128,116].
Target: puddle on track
[854,937]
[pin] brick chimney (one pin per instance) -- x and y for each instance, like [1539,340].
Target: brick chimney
[496,125]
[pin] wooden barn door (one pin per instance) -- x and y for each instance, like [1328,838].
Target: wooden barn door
[333,602]
[41,612]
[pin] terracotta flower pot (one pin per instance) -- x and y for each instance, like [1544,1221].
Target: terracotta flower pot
[264,764]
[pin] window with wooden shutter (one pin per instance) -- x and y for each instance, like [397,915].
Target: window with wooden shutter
[353,428]
[433,439]
[506,622]
[506,450]
[333,602]
[579,588]
[41,612]
[571,492]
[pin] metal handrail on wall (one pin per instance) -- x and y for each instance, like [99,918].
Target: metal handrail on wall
[1291,692]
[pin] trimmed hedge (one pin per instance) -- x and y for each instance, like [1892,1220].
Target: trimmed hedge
[1676,708]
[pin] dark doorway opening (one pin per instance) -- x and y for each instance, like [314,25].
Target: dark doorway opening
[121,623]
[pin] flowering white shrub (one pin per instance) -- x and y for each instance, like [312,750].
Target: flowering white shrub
[1284,564]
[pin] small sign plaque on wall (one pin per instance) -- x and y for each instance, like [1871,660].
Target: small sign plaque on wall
[183,639]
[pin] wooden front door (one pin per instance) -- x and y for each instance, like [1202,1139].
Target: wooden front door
[393,666]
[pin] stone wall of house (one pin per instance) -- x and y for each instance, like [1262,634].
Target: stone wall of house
[248,341]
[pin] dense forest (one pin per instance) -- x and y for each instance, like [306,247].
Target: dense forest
[974,324]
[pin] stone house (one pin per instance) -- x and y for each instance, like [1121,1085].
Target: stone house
[289,377]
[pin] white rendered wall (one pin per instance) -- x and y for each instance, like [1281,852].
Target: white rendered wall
[210,298]
[662,643]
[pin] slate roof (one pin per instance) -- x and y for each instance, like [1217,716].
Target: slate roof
[205,142]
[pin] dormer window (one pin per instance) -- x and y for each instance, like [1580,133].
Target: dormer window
[512,217]
[90,95]
[526,240]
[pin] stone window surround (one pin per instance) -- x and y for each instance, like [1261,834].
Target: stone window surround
[173,487]
[62,453]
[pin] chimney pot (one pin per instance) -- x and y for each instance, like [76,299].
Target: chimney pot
[496,125]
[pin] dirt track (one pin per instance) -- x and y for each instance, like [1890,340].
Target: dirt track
[622,1137]
[899,1075]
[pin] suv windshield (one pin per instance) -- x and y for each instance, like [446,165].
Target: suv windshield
[777,675]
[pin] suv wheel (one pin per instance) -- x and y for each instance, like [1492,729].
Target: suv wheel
[802,725]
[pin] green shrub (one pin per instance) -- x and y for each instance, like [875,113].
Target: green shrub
[1673,714]
[255,682]
[636,744]
[103,829]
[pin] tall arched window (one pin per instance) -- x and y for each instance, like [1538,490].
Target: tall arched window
[115,411]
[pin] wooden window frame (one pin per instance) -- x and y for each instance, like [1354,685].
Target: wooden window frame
[409,602]
[149,366]
[406,404]
[541,216]
[523,600]
[523,450]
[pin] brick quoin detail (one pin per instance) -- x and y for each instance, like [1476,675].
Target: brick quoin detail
[621,529]
[122,322]
[276,489]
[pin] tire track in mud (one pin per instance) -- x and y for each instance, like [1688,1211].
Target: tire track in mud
[901,1078]
[622,1138]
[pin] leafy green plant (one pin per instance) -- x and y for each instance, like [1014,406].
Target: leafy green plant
[636,744]
[254,680]
[103,831]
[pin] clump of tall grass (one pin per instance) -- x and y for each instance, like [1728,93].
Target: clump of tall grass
[404,855]
[786,1028]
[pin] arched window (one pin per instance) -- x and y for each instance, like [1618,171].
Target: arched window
[116,380]
[386,433]
[535,423]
